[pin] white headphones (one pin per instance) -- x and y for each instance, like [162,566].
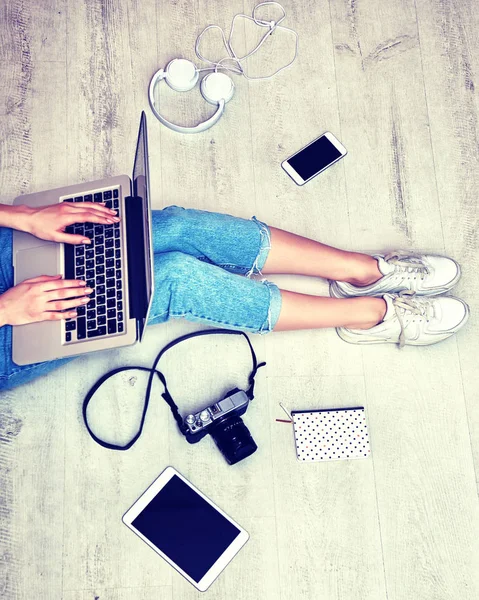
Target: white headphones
[216,88]
[182,75]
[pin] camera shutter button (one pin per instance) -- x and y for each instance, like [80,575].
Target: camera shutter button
[204,416]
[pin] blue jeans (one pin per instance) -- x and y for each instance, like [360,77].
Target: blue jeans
[199,258]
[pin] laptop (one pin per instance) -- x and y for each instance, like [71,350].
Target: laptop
[117,265]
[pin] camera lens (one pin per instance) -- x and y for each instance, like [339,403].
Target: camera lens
[233,439]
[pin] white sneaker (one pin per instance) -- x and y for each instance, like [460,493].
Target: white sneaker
[425,274]
[413,321]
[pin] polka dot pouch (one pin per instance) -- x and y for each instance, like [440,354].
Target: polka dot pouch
[332,434]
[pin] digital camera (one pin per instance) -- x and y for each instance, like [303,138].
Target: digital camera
[223,421]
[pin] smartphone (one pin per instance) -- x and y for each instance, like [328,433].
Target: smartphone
[314,158]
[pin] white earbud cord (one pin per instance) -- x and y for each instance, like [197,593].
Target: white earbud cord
[238,67]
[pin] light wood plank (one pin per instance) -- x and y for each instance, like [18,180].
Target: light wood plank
[427,500]
[32,140]
[212,170]
[32,475]
[450,42]
[109,65]
[150,593]
[329,542]
[32,98]
[384,112]
[390,177]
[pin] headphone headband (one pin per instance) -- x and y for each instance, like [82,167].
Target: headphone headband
[217,88]
[182,75]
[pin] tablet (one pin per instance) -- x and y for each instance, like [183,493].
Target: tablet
[190,532]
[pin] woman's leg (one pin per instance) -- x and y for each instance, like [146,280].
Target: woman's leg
[294,254]
[300,311]
[198,291]
[249,246]
[235,244]
[186,287]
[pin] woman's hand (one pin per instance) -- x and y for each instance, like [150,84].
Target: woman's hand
[41,299]
[49,222]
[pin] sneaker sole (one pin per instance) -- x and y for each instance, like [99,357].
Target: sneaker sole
[355,338]
[336,292]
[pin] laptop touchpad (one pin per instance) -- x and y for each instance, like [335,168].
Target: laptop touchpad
[43,260]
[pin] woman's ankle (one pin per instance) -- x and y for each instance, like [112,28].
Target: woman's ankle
[373,313]
[365,272]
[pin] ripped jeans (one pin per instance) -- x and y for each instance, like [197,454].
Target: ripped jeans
[199,260]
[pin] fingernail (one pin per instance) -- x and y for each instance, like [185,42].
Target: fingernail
[87,241]
[112,211]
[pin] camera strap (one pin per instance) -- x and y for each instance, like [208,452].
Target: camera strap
[166,395]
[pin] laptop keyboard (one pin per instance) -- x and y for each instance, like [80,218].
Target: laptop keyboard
[100,265]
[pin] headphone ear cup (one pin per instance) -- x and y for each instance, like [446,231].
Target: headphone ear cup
[217,86]
[181,75]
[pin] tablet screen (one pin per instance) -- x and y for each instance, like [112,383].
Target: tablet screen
[191,532]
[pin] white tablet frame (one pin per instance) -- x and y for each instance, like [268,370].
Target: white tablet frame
[222,561]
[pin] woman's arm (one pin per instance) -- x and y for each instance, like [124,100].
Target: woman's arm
[50,222]
[15,217]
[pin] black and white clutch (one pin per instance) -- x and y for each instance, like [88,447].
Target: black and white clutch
[331,434]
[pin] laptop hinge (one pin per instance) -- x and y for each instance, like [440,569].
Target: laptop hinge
[138,302]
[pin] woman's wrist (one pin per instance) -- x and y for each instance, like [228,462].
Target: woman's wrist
[3,319]
[15,217]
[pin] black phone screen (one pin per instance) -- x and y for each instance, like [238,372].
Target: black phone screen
[314,158]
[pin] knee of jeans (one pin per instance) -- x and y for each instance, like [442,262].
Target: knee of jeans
[175,266]
[173,219]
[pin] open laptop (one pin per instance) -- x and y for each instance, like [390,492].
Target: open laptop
[118,265]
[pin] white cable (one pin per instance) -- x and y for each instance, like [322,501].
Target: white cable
[238,67]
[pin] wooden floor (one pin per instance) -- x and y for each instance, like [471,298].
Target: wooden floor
[395,81]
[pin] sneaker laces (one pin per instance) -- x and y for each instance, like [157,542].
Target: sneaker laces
[405,301]
[404,262]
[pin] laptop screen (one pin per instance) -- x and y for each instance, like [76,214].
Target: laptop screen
[141,190]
